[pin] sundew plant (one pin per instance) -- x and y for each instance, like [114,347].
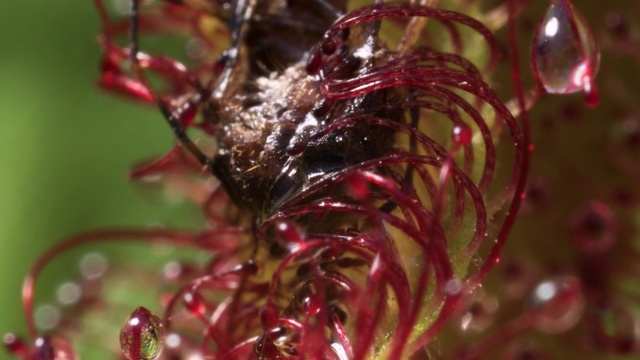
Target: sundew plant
[375,180]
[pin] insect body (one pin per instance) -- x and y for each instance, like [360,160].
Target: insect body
[268,104]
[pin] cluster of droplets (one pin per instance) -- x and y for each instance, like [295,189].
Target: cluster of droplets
[567,289]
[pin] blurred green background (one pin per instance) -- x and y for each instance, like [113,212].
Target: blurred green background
[65,145]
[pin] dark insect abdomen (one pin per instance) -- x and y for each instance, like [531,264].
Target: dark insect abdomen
[265,154]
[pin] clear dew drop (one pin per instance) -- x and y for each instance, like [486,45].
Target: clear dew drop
[142,336]
[565,56]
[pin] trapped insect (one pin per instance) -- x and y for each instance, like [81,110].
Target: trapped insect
[357,198]
[308,133]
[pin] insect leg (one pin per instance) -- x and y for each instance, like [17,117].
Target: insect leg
[171,119]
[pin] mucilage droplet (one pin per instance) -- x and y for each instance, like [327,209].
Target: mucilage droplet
[462,134]
[142,335]
[565,56]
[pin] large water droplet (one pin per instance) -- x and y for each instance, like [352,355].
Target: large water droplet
[565,56]
[142,335]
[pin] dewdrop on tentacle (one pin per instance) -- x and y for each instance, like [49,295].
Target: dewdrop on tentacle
[142,335]
[565,56]
[462,134]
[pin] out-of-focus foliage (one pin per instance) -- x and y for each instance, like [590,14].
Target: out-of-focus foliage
[65,146]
